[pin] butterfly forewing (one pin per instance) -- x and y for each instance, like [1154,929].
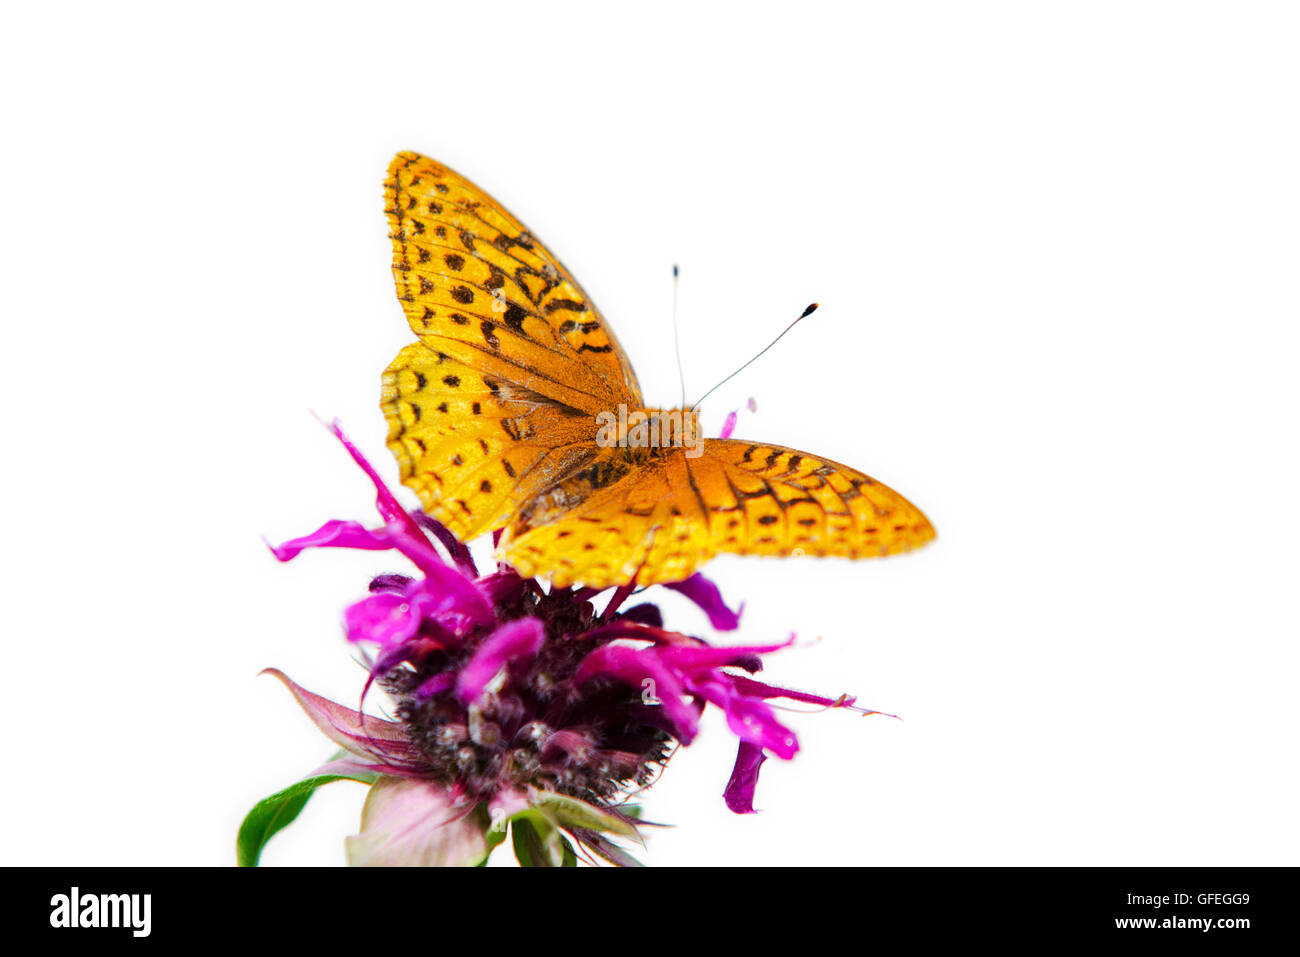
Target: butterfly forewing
[477,284]
[497,401]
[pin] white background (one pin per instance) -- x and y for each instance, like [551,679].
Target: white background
[1055,247]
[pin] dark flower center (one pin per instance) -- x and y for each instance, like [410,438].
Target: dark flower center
[532,726]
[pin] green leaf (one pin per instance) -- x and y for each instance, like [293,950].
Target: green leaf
[537,841]
[271,814]
[571,812]
[495,833]
[602,847]
[524,837]
[570,856]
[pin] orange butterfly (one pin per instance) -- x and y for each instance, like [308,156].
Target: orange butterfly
[518,410]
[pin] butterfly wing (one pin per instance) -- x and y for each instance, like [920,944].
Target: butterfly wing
[764,499]
[661,522]
[476,284]
[644,525]
[497,401]
[472,446]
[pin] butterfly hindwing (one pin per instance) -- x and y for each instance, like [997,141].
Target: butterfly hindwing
[472,446]
[766,499]
[642,528]
[660,522]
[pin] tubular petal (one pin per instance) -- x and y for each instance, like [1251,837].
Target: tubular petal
[705,593]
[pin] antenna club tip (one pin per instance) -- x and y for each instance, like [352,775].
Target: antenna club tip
[674,270]
[810,310]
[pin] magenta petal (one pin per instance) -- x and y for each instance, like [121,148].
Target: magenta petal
[400,531]
[445,590]
[517,639]
[389,619]
[620,595]
[442,681]
[647,614]
[423,555]
[728,426]
[389,507]
[705,593]
[340,534]
[704,658]
[757,689]
[633,666]
[457,549]
[336,534]
[451,591]
[739,793]
[502,588]
[386,619]
[749,718]
[630,628]
[346,727]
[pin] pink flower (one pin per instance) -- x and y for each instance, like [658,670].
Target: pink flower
[519,706]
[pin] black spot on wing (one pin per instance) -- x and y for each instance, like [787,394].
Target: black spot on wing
[571,305]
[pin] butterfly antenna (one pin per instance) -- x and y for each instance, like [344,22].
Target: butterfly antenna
[804,315]
[677,342]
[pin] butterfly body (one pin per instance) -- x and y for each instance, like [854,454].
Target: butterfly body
[517,410]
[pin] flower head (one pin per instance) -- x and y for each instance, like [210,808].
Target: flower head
[519,704]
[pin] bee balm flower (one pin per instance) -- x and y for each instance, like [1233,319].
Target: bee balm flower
[517,707]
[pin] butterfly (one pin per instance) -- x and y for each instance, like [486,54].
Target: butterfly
[518,412]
